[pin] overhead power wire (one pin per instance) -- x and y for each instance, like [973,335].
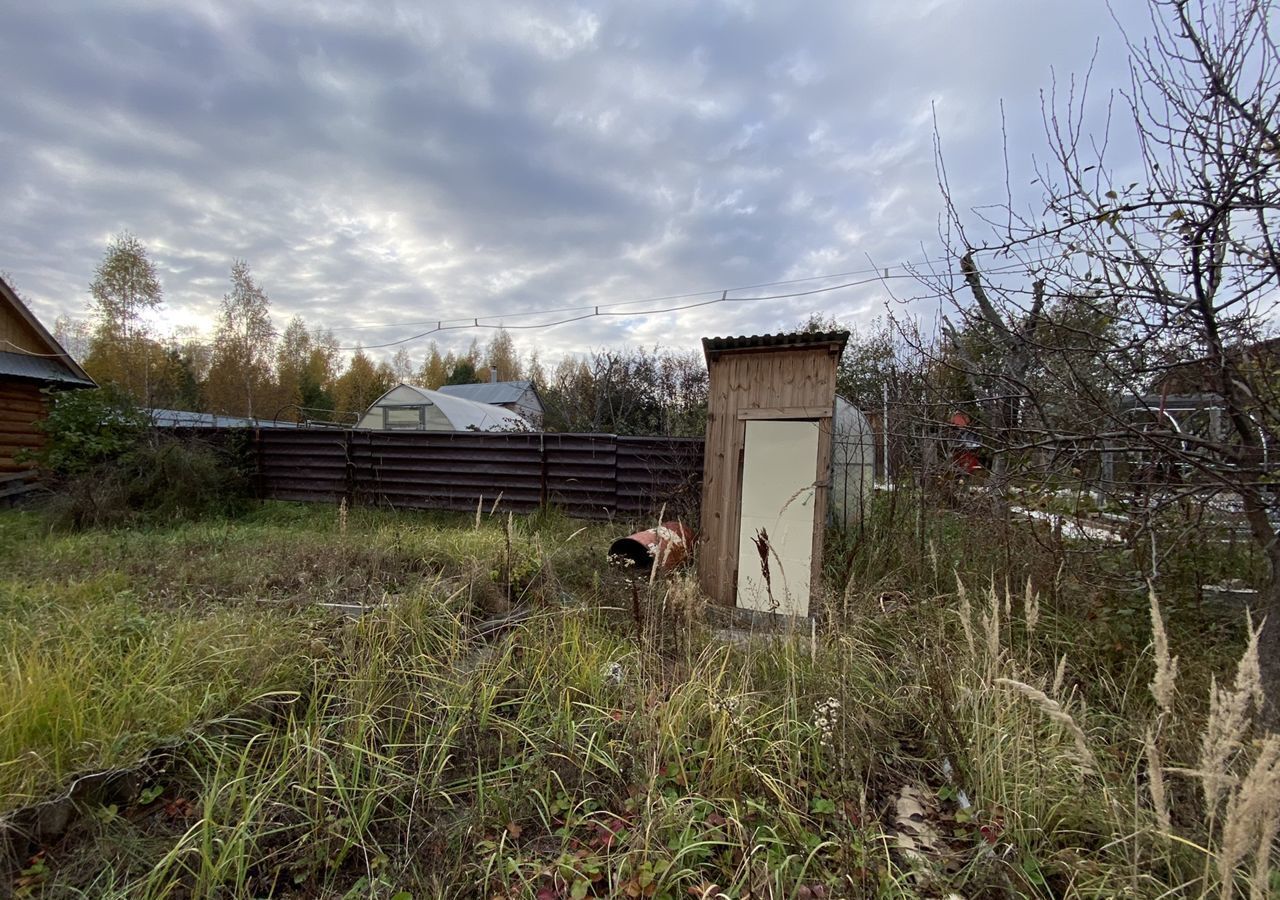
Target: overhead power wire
[910,270]
[599,312]
[592,311]
[907,270]
[660,299]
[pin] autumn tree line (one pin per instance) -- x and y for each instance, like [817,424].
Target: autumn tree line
[251,368]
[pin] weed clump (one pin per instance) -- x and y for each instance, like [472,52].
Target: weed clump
[108,467]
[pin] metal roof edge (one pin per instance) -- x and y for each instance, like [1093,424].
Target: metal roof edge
[715,346]
[46,371]
[10,296]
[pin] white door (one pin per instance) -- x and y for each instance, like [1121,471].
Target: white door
[775,538]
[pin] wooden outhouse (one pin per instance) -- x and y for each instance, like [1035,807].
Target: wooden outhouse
[766,466]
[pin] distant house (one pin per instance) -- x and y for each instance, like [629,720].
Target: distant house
[409,408]
[520,397]
[1200,375]
[30,361]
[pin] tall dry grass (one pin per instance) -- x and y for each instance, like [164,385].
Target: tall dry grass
[567,754]
[1223,845]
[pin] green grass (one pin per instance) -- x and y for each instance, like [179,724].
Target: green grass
[569,756]
[116,640]
[95,678]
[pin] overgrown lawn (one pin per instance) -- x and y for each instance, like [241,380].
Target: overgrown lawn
[497,724]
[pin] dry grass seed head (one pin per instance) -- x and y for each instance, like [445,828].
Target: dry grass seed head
[1060,676]
[1261,880]
[1230,713]
[966,616]
[1162,684]
[1251,820]
[991,625]
[1031,608]
[1054,711]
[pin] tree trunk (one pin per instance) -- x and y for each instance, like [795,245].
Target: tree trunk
[1267,606]
[1269,641]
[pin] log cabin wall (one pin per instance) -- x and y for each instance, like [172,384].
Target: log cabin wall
[30,360]
[22,405]
[770,377]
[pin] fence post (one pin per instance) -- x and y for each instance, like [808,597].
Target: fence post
[542,458]
[259,476]
[349,488]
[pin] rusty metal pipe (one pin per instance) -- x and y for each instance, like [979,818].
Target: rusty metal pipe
[668,544]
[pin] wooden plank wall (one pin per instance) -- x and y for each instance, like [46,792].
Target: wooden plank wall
[21,406]
[17,335]
[770,382]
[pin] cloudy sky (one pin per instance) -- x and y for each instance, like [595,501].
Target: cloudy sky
[379,166]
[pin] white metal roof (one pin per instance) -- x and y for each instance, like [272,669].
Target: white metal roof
[489,391]
[463,415]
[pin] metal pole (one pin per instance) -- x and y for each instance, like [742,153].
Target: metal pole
[884,428]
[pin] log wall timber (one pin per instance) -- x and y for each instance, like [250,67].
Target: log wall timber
[22,405]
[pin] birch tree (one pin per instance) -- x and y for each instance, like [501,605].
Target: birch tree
[124,289]
[240,372]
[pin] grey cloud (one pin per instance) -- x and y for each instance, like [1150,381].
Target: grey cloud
[431,162]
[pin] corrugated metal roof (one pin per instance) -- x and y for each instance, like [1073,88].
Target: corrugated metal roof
[39,368]
[489,392]
[72,374]
[716,345]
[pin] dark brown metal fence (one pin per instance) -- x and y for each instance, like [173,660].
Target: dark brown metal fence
[587,475]
[654,473]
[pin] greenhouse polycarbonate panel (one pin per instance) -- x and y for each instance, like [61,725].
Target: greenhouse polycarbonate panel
[775,537]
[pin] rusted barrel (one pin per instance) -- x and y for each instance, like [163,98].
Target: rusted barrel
[667,546]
